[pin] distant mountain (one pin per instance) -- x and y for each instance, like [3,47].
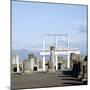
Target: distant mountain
[23,53]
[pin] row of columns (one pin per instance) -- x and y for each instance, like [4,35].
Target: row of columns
[31,61]
[56,57]
[56,62]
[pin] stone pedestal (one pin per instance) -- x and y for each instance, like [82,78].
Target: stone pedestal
[31,60]
[26,68]
[52,60]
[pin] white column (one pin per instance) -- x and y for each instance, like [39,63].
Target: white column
[68,61]
[43,63]
[17,62]
[68,56]
[56,58]
[31,63]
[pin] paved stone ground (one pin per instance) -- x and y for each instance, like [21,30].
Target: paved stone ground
[42,79]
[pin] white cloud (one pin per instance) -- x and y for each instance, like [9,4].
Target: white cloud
[81,26]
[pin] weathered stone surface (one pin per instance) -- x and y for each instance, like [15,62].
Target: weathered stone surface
[26,67]
[79,67]
[33,62]
[85,73]
[75,57]
[52,58]
[81,70]
[76,64]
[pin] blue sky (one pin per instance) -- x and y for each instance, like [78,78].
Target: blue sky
[31,20]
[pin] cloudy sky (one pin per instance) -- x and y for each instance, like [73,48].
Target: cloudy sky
[31,20]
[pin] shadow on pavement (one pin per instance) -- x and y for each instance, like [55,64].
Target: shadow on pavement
[70,73]
[71,79]
[72,83]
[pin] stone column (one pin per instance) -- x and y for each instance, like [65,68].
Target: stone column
[17,62]
[52,59]
[56,62]
[43,63]
[56,57]
[31,60]
[68,61]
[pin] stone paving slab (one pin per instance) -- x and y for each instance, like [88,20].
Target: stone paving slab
[41,80]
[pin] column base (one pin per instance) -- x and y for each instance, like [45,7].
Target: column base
[51,70]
